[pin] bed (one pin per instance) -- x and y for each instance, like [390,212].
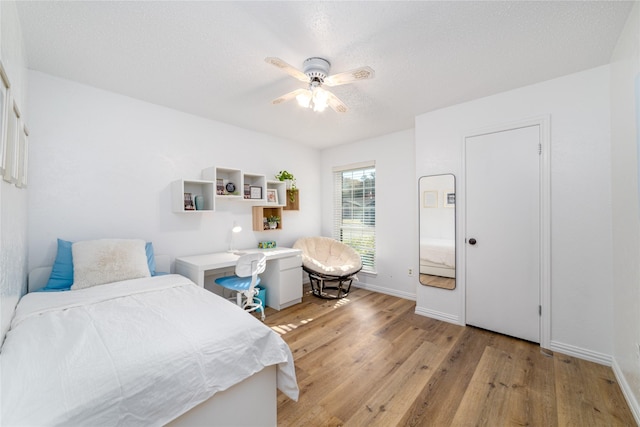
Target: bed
[438,257]
[147,351]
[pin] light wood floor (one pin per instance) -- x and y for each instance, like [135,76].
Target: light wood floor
[368,360]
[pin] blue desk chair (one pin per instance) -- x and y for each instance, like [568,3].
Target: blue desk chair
[244,282]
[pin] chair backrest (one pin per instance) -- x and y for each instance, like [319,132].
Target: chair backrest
[251,264]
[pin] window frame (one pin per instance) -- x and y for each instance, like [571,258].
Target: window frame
[364,232]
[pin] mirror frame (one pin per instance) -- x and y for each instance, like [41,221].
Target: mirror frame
[443,282]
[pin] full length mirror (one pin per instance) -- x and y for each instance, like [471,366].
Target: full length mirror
[438,231]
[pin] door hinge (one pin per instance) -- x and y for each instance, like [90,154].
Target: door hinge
[539,310]
[539,148]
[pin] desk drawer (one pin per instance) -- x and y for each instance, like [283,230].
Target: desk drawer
[290,262]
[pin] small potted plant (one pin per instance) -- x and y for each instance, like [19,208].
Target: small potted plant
[273,221]
[290,181]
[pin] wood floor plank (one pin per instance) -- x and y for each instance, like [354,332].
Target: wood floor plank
[437,403]
[580,387]
[374,365]
[370,360]
[389,403]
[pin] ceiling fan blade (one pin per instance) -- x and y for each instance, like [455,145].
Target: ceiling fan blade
[335,103]
[362,73]
[288,96]
[289,69]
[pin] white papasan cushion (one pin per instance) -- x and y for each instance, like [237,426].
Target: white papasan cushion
[96,262]
[328,256]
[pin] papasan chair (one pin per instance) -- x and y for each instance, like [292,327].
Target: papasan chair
[331,265]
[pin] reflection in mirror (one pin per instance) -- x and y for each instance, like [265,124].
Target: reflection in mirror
[438,231]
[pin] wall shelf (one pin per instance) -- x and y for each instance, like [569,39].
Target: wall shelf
[254,185]
[260,213]
[196,188]
[246,187]
[281,191]
[222,177]
[295,205]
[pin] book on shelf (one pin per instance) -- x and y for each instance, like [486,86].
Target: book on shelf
[188,202]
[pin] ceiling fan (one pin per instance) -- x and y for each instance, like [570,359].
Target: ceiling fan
[316,74]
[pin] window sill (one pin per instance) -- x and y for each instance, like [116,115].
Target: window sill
[368,273]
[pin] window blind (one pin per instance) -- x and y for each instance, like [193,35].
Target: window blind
[355,210]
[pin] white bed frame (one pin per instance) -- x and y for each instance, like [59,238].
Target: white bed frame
[252,402]
[433,269]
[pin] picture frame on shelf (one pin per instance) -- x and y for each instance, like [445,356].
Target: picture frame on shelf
[256,192]
[272,196]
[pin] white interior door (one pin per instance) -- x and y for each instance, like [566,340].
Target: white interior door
[503,232]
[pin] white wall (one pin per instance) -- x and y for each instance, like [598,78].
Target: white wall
[396,208]
[625,140]
[581,265]
[102,164]
[13,201]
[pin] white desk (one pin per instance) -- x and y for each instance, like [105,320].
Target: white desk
[282,277]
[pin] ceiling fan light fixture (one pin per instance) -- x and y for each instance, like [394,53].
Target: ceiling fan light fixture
[316,73]
[304,99]
[319,100]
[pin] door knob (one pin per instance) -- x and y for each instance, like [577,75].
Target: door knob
[472,241]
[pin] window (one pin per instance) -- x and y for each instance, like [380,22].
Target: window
[355,210]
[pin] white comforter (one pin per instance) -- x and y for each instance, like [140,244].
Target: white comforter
[137,352]
[438,251]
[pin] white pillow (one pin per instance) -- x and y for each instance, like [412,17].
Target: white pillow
[96,262]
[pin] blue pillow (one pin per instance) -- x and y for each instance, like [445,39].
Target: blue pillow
[61,277]
[151,259]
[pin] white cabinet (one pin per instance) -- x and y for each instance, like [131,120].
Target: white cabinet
[183,188]
[283,281]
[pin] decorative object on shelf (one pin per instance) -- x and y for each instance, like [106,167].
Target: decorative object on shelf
[291,183]
[256,192]
[199,202]
[261,215]
[247,191]
[234,230]
[230,187]
[272,196]
[267,245]
[293,200]
[188,202]
[287,177]
[219,186]
[273,221]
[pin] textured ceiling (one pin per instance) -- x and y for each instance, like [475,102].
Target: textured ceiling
[207,58]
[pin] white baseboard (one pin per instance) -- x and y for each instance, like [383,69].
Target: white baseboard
[387,291]
[445,317]
[627,391]
[581,353]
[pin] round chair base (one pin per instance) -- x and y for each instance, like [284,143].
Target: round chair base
[341,293]
[321,283]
